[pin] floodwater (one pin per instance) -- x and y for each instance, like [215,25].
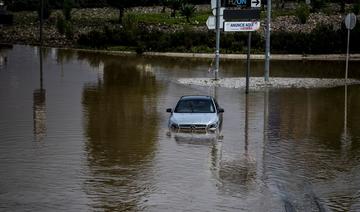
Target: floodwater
[88,132]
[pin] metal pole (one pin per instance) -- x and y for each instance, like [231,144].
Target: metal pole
[217,53]
[267,47]
[347,57]
[248,64]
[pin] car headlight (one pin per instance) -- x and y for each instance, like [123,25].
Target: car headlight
[173,125]
[213,126]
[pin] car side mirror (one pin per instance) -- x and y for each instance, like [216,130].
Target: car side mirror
[169,110]
[221,110]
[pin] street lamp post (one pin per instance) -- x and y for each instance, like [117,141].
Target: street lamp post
[267,47]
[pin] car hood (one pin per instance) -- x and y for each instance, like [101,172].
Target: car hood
[194,118]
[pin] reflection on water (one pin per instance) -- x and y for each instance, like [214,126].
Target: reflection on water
[304,154]
[39,114]
[240,171]
[121,128]
[39,107]
[103,124]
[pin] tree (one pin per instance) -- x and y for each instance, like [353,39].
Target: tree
[122,5]
[67,7]
[174,5]
[342,6]
[188,10]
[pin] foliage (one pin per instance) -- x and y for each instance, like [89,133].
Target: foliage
[174,5]
[188,10]
[91,3]
[342,6]
[67,7]
[356,8]
[141,39]
[60,24]
[122,5]
[94,38]
[303,12]
[69,30]
[317,5]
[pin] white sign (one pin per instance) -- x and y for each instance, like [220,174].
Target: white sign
[247,26]
[213,4]
[221,11]
[350,21]
[255,3]
[211,22]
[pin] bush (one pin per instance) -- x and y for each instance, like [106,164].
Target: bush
[60,24]
[316,5]
[302,13]
[356,8]
[69,30]
[94,38]
[188,10]
[67,7]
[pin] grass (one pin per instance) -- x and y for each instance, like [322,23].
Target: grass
[199,18]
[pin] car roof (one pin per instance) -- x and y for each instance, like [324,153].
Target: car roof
[196,97]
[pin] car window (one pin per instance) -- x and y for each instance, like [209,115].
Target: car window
[195,106]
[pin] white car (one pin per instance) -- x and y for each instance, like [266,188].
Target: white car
[196,113]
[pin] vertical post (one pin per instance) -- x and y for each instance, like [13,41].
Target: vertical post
[248,64]
[347,57]
[41,21]
[217,53]
[267,47]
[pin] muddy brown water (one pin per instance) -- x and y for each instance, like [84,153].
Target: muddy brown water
[89,133]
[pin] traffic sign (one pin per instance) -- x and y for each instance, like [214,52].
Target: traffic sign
[350,21]
[241,15]
[237,3]
[213,4]
[247,26]
[255,3]
[211,22]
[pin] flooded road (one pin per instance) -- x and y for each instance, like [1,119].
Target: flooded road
[88,132]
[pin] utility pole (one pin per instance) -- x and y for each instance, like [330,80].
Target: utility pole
[217,53]
[267,47]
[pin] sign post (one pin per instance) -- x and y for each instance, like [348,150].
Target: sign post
[244,16]
[217,53]
[239,16]
[267,46]
[350,22]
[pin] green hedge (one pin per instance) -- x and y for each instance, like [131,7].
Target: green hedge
[323,40]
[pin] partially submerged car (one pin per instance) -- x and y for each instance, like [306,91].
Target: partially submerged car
[196,113]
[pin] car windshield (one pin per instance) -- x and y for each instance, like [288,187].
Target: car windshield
[195,106]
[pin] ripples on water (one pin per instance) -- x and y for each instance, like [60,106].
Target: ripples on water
[89,133]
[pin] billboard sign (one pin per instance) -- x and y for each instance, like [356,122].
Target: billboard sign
[247,26]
